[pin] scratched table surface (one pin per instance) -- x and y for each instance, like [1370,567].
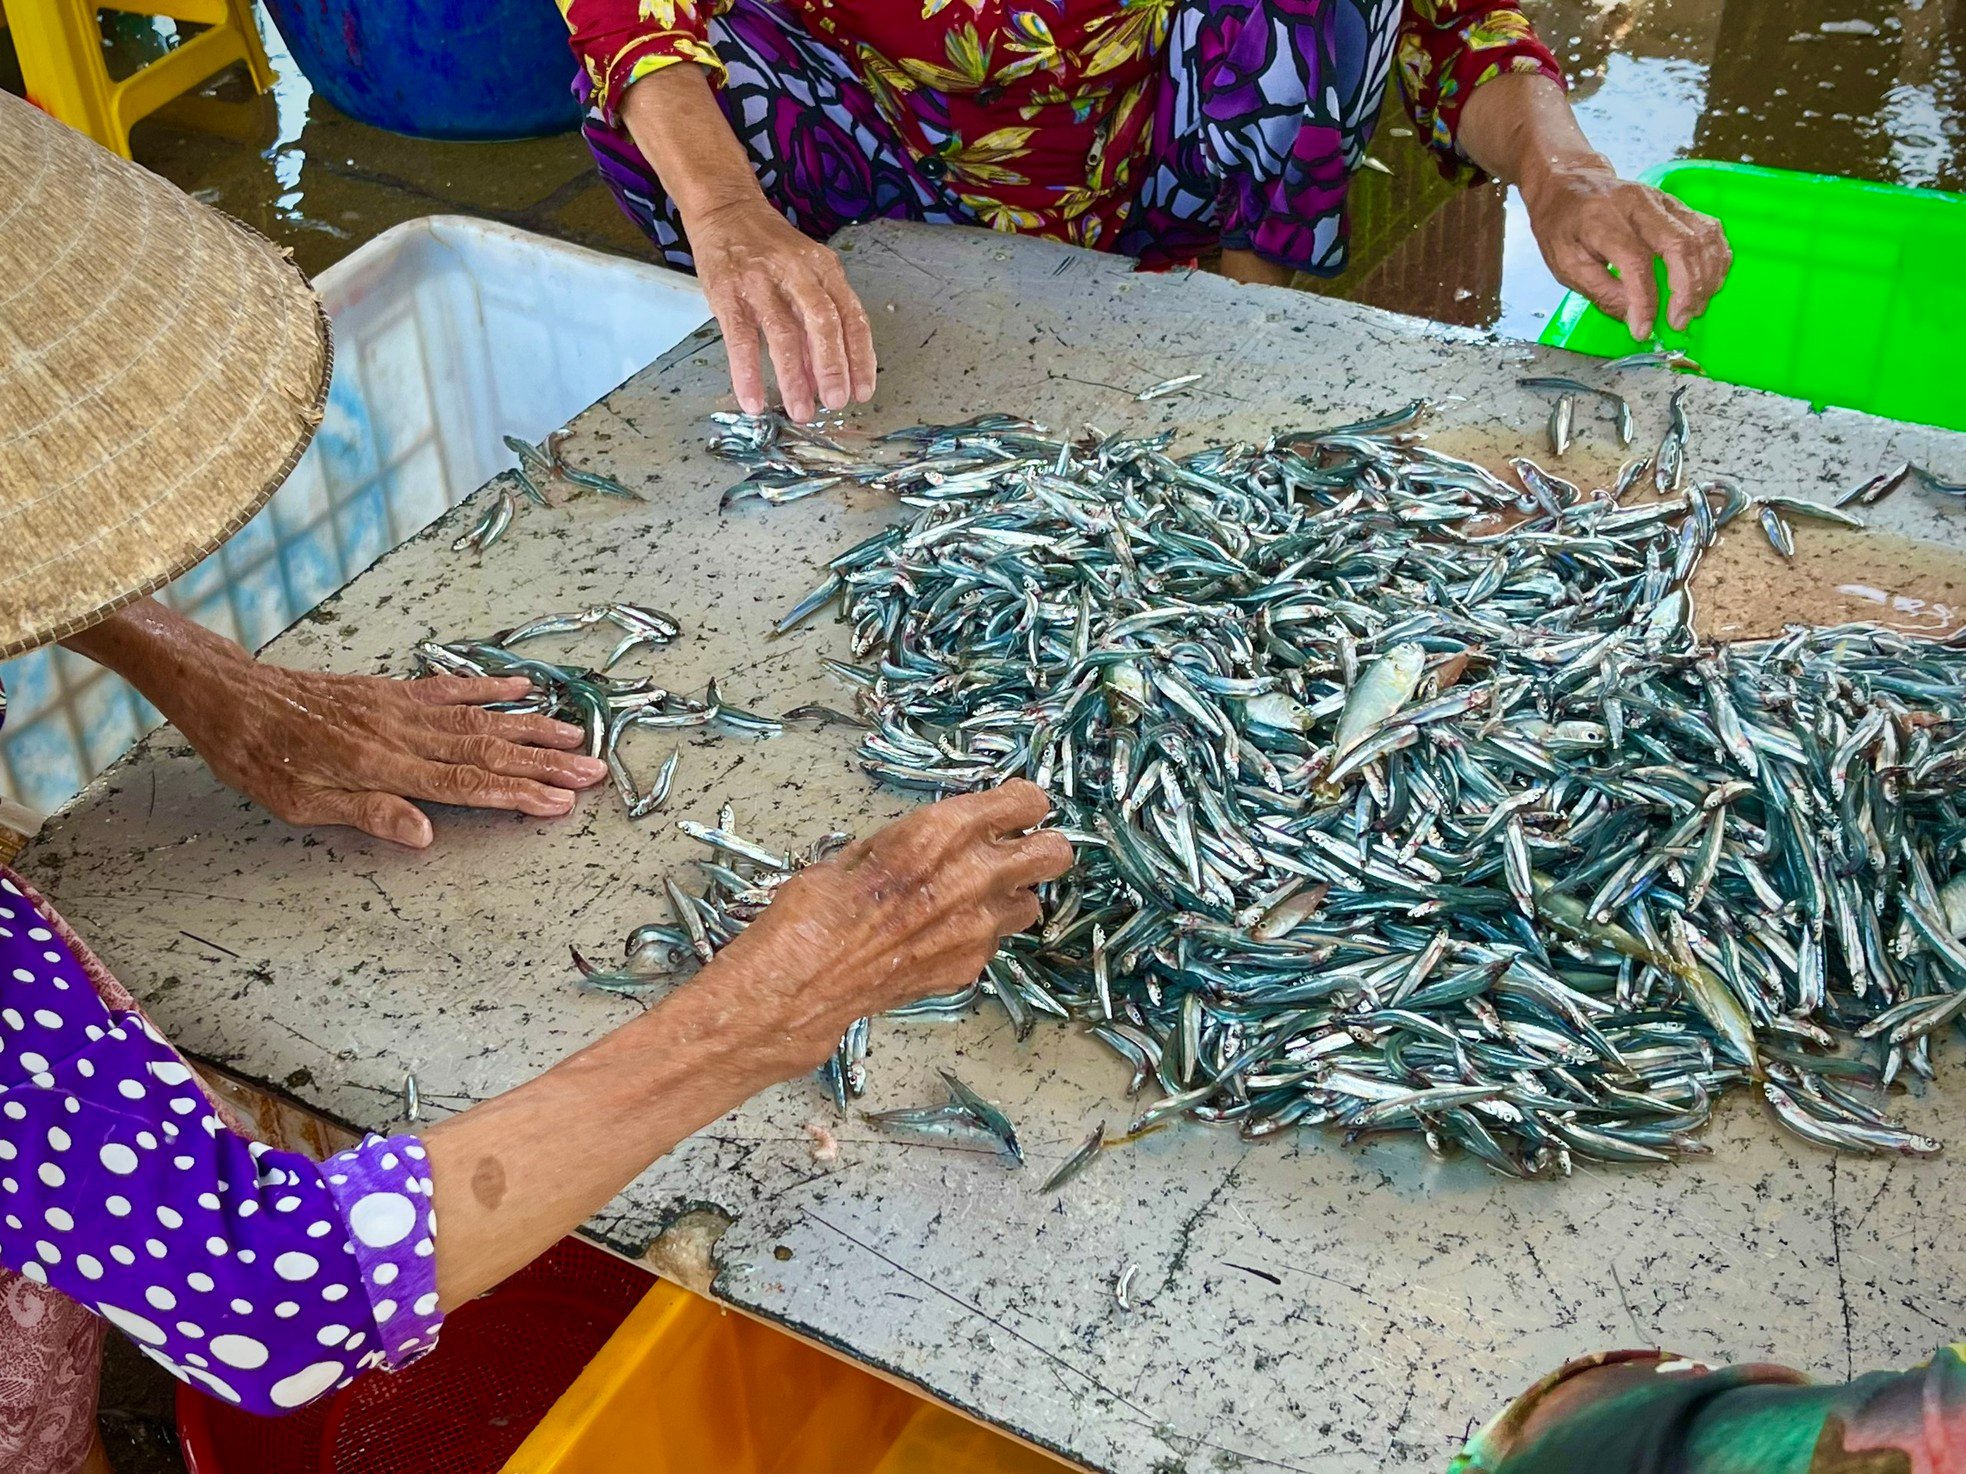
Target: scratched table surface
[1299,1304]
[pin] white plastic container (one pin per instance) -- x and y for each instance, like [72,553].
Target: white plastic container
[449,333]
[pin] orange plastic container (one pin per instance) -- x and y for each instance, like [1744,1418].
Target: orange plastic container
[504,1362]
[684,1387]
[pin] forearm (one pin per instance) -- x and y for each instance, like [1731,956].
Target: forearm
[156,649]
[1519,127]
[675,121]
[517,1173]
[252,1272]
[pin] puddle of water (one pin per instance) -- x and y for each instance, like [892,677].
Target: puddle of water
[1744,589]
[314,180]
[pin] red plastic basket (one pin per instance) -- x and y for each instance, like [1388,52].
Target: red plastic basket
[502,1363]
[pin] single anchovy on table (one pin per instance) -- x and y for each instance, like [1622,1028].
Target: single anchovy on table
[1078,1161]
[1123,1286]
[1394,814]
[1166,387]
[1935,483]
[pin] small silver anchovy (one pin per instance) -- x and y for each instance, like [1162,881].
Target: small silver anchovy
[1780,535]
[1562,416]
[1671,358]
[1166,387]
[1934,483]
[992,1120]
[1123,1286]
[1078,1161]
[1668,464]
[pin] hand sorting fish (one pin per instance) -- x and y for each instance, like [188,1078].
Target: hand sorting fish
[1392,815]
[606,707]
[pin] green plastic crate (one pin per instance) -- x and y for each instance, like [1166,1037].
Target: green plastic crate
[1842,293]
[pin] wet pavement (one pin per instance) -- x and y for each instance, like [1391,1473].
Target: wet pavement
[1866,88]
[1861,88]
[304,174]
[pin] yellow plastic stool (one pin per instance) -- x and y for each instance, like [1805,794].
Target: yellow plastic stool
[59,44]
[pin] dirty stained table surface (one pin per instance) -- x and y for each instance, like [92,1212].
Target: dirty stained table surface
[1299,1304]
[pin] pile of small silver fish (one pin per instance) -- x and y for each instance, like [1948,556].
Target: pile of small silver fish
[539,466]
[606,707]
[1407,799]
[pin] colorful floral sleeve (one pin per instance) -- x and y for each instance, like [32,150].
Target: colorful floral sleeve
[1649,1412]
[619,42]
[1447,48]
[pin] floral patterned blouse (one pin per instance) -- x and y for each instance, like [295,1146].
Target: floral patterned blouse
[1039,113]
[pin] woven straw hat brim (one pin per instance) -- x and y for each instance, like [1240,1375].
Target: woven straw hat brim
[161,370]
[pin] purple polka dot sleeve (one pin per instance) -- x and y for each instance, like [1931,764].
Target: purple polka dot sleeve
[256,1275]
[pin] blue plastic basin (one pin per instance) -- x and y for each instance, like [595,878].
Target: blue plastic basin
[437,68]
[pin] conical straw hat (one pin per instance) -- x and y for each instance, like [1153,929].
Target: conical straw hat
[161,370]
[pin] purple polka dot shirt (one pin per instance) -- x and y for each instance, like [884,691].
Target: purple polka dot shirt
[258,1276]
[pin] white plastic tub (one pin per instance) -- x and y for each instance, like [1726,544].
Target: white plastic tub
[449,334]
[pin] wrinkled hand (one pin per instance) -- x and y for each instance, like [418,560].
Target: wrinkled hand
[332,749]
[916,908]
[1586,218]
[763,277]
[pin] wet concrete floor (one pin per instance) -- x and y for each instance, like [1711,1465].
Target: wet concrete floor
[1866,88]
[1874,89]
[304,174]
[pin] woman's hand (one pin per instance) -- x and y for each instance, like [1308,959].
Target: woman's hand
[914,909]
[328,749]
[1519,128]
[1586,218]
[765,279]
